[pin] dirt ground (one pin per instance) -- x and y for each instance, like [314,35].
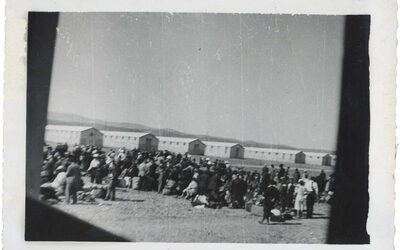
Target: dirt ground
[151,217]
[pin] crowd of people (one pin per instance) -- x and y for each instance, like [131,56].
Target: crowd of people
[212,183]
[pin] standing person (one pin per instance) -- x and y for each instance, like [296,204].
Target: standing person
[322,175]
[271,195]
[312,190]
[281,171]
[85,159]
[283,197]
[148,175]
[254,186]
[234,190]
[203,181]
[141,174]
[290,193]
[161,169]
[76,153]
[273,171]
[265,178]
[113,175]
[73,180]
[329,188]
[94,169]
[321,181]
[243,189]
[296,175]
[152,176]
[238,189]
[213,187]
[300,193]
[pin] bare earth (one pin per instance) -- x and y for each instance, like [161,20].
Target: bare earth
[151,217]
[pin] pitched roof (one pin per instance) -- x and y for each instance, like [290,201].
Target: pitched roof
[119,133]
[68,128]
[222,144]
[177,139]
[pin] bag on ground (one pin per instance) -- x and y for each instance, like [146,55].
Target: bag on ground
[135,183]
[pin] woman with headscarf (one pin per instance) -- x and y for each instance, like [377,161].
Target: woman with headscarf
[192,189]
[59,182]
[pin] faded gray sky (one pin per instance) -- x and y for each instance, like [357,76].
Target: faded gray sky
[269,78]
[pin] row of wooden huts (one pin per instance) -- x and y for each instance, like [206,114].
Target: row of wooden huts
[148,142]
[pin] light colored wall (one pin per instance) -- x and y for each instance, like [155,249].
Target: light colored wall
[300,156]
[219,151]
[258,154]
[173,146]
[116,141]
[62,136]
[199,151]
[286,157]
[313,159]
[153,146]
[239,155]
[268,155]
[96,139]
[328,160]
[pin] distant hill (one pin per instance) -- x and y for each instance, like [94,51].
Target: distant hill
[58,118]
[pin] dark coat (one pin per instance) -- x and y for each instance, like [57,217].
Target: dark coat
[271,195]
[203,180]
[296,176]
[236,188]
[266,179]
[203,183]
[73,173]
[214,183]
[115,174]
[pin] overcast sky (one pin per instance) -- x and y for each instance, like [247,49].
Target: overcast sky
[269,78]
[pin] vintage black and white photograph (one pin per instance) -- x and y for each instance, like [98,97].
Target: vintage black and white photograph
[197,127]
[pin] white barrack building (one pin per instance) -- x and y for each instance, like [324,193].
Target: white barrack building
[323,159]
[270,154]
[79,135]
[73,135]
[192,146]
[224,149]
[130,140]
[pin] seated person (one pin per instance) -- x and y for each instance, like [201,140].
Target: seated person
[191,190]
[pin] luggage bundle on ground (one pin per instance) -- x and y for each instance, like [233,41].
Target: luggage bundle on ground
[169,188]
[135,183]
[257,209]
[200,201]
[47,192]
[85,196]
[95,190]
[125,182]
